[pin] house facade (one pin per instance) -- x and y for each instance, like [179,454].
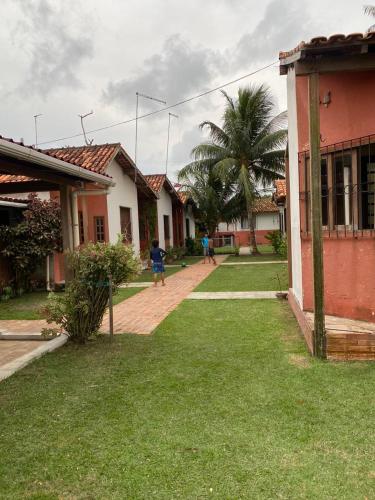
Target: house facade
[279,198]
[189,209]
[330,89]
[170,211]
[266,219]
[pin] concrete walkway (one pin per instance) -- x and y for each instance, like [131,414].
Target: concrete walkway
[231,295]
[143,312]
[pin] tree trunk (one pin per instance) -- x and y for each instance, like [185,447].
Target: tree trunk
[253,242]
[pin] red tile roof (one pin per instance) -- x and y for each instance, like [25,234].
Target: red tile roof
[13,200]
[96,158]
[184,196]
[156,181]
[330,42]
[50,152]
[264,204]
[5,178]
[280,193]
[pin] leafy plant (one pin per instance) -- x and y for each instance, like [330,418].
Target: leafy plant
[28,243]
[80,310]
[275,238]
[193,247]
[245,152]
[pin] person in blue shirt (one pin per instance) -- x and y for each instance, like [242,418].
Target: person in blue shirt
[157,255]
[205,246]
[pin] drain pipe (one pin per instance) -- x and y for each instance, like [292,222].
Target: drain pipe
[75,221]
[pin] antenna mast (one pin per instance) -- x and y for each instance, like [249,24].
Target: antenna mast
[88,142]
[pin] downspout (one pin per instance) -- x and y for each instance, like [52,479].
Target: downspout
[75,221]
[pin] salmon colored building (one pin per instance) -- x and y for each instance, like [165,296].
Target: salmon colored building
[266,219]
[344,67]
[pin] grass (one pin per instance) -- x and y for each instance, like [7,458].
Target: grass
[29,305]
[25,307]
[254,258]
[245,278]
[228,406]
[148,275]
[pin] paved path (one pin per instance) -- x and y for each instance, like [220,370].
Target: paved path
[254,263]
[231,295]
[143,312]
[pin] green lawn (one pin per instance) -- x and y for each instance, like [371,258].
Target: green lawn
[148,275]
[254,258]
[222,402]
[245,278]
[29,305]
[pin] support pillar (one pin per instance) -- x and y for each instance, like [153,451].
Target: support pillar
[316,217]
[67,232]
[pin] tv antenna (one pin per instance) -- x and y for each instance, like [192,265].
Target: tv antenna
[36,128]
[87,141]
[169,128]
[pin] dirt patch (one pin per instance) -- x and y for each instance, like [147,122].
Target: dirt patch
[299,360]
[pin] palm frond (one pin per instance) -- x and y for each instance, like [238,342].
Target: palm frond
[369,10]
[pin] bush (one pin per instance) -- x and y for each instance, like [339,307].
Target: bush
[193,247]
[278,242]
[80,310]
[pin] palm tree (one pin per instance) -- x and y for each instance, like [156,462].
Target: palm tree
[370,10]
[246,152]
[212,196]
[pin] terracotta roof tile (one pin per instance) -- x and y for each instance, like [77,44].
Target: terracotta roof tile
[54,153]
[331,41]
[184,196]
[264,204]
[14,178]
[280,193]
[13,200]
[156,181]
[96,158]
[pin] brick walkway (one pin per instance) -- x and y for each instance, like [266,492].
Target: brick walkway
[143,312]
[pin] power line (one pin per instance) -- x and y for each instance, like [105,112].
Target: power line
[146,115]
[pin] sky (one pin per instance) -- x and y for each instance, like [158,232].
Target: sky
[62,58]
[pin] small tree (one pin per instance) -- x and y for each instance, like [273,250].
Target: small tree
[80,310]
[28,243]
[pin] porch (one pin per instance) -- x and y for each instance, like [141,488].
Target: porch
[346,339]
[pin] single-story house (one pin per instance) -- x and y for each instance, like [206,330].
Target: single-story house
[266,219]
[331,191]
[189,214]
[279,198]
[170,211]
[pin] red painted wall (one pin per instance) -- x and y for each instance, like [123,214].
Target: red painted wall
[242,238]
[349,263]
[350,114]
[349,274]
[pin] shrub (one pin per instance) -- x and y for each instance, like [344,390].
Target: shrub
[80,310]
[193,247]
[278,242]
[28,243]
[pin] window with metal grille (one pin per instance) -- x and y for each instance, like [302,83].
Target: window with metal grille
[126,224]
[81,231]
[99,229]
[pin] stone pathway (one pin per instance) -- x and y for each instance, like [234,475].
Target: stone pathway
[231,295]
[143,312]
[254,263]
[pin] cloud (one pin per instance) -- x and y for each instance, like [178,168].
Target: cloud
[56,47]
[178,70]
[285,23]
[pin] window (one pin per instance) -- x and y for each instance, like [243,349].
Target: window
[342,179]
[81,231]
[366,178]
[244,222]
[187,222]
[325,191]
[166,230]
[126,224]
[99,229]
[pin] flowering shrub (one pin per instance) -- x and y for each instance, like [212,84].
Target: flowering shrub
[80,310]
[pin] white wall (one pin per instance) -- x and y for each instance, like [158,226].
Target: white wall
[293,201]
[267,221]
[123,194]
[164,205]
[188,214]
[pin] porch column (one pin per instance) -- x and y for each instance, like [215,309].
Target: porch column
[316,217]
[67,228]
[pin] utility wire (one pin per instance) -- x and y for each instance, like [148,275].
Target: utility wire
[189,99]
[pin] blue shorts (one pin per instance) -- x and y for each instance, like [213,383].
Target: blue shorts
[158,267]
[205,251]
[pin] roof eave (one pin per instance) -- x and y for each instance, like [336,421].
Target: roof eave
[31,155]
